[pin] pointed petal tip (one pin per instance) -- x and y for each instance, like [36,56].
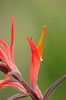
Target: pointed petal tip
[12,40]
[45,29]
[12,17]
[41,42]
[45,26]
[27,38]
[29,41]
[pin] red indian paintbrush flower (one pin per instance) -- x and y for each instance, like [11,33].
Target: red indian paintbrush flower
[35,62]
[7,54]
[7,64]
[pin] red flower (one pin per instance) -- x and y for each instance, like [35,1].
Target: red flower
[7,54]
[35,62]
[8,66]
[8,83]
[7,63]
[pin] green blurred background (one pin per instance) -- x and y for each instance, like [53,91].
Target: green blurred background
[30,18]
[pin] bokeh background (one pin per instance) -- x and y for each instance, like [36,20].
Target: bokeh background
[30,18]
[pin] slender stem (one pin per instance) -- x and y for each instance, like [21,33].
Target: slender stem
[18,96]
[30,91]
[24,84]
[53,87]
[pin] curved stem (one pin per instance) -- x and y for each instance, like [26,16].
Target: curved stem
[53,87]
[30,91]
[18,96]
[24,84]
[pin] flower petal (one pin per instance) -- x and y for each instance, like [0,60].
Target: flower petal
[35,65]
[12,40]
[4,57]
[4,80]
[41,42]
[38,92]
[14,84]
[9,63]
[35,62]
[6,48]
